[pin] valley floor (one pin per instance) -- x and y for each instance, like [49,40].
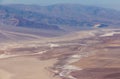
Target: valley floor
[26,68]
[85,55]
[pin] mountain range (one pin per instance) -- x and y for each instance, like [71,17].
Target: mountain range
[58,17]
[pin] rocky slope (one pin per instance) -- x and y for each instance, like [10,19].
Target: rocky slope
[54,17]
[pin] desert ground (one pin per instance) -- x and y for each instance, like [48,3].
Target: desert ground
[92,54]
[26,68]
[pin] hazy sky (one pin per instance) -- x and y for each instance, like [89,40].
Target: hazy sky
[103,3]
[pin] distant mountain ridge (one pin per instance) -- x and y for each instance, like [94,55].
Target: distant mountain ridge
[55,16]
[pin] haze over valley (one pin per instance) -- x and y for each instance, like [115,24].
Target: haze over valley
[60,41]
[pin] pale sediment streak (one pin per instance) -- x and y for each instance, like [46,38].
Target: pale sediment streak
[67,68]
[109,34]
[3,56]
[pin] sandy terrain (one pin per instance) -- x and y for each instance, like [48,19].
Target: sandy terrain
[25,68]
[5,75]
[102,64]
[94,57]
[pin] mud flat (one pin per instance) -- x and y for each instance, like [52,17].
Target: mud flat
[26,68]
